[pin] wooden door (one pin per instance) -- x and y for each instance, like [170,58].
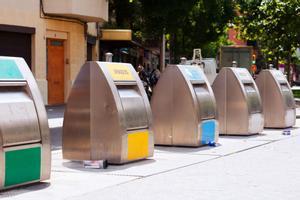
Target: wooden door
[55,71]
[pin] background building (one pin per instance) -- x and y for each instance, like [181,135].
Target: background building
[126,49]
[55,37]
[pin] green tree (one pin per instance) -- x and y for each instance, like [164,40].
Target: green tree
[124,14]
[188,24]
[164,16]
[274,24]
[206,26]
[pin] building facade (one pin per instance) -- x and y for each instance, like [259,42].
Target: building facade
[55,37]
[233,37]
[125,48]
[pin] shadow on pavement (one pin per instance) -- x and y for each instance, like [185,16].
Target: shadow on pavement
[281,129]
[56,138]
[245,137]
[184,149]
[24,189]
[78,165]
[55,111]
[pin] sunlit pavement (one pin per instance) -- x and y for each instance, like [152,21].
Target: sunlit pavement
[265,166]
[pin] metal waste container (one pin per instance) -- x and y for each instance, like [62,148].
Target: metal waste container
[25,155]
[108,115]
[277,99]
[238,102]
[184,108]
[210,69]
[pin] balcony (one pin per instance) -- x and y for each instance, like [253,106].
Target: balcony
[85,10]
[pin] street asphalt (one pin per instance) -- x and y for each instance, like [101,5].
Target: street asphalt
[265,166]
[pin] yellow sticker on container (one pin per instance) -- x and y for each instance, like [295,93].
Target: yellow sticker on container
[138,145]
[120,72]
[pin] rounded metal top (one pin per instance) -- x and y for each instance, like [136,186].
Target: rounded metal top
[183,60]
[108,57]
[234,63]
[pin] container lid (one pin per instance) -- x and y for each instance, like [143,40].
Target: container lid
[193,73]
[120,72]
[9,70]
[278,75]
[243,75]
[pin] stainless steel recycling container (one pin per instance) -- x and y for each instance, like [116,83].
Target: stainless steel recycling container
[277,99]
[25,155]
[184,108]
[108,115]
[238,101]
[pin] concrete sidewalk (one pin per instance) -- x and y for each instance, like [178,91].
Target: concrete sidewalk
[265,166]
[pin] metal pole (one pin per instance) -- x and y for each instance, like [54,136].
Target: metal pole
[183,60]
[271,66]
[163,53]
[234,64]
[108,57]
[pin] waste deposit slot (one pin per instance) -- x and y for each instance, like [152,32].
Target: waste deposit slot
[184,108]
[108,115]
[279,106]
[238,102]
[25,143]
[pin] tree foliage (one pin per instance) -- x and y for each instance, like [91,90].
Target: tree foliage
[206,24]
[165,16]
[124,14]
[274,24]
[188,24]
